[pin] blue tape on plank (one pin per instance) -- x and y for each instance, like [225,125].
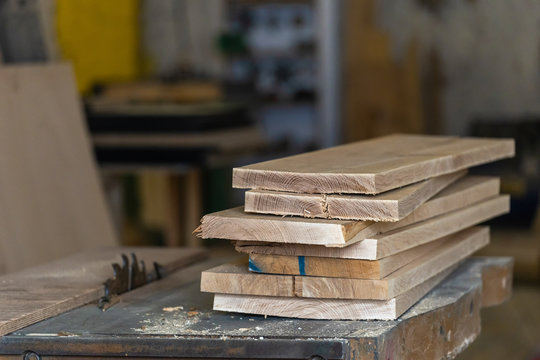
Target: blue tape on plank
[302,265]
[253,267]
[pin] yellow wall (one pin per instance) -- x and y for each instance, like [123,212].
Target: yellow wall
[100,38]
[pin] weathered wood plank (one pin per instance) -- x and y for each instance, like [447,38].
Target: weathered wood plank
[372,166]
[392,205]
[235,224]
[451,250]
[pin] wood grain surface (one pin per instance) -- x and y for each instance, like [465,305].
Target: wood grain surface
[392,242]
[235,224]
[47,290]
[392,205]
[52,203]
[372,166]
[452,250]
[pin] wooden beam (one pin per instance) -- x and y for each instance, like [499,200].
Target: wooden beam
[453,249]
[235,224]
[392,205]
[372,166]
[393,242]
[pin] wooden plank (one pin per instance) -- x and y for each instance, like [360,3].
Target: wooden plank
[392,242]
[453,249]
[44,291]
[330,309]
[235,224]
[52,203]
[392,205]
[372,166]
[336,267]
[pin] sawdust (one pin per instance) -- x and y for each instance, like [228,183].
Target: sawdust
[173,322]
[171,309]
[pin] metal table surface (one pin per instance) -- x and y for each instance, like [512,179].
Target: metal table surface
[172,318]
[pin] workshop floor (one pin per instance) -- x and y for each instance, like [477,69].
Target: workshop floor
[511,330]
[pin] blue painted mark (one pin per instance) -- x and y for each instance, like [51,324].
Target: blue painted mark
[253,267]
[302,265]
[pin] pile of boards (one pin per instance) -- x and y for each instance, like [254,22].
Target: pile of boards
[358,231]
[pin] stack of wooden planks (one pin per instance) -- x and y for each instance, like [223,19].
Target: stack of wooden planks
[358,231]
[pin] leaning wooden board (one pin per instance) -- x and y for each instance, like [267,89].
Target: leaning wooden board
[392,205]
[393,242]
[52,203]
[44,291]
[236,278]
[372,166]
[332,309]
[235,224]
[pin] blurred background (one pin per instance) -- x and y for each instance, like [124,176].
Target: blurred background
[177,92]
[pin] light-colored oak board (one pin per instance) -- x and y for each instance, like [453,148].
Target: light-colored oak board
[38,293]
[451,251]
[372,166]
[332,309]
[395,241]
[392,205]
[235,224]
[336,267]
[52,203]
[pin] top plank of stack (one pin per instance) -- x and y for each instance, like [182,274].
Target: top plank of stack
[372,166]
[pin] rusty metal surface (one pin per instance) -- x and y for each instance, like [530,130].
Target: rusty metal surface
[171,318]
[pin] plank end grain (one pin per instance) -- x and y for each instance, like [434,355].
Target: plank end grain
[237,279]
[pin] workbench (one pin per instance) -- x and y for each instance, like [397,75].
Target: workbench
[172,318]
